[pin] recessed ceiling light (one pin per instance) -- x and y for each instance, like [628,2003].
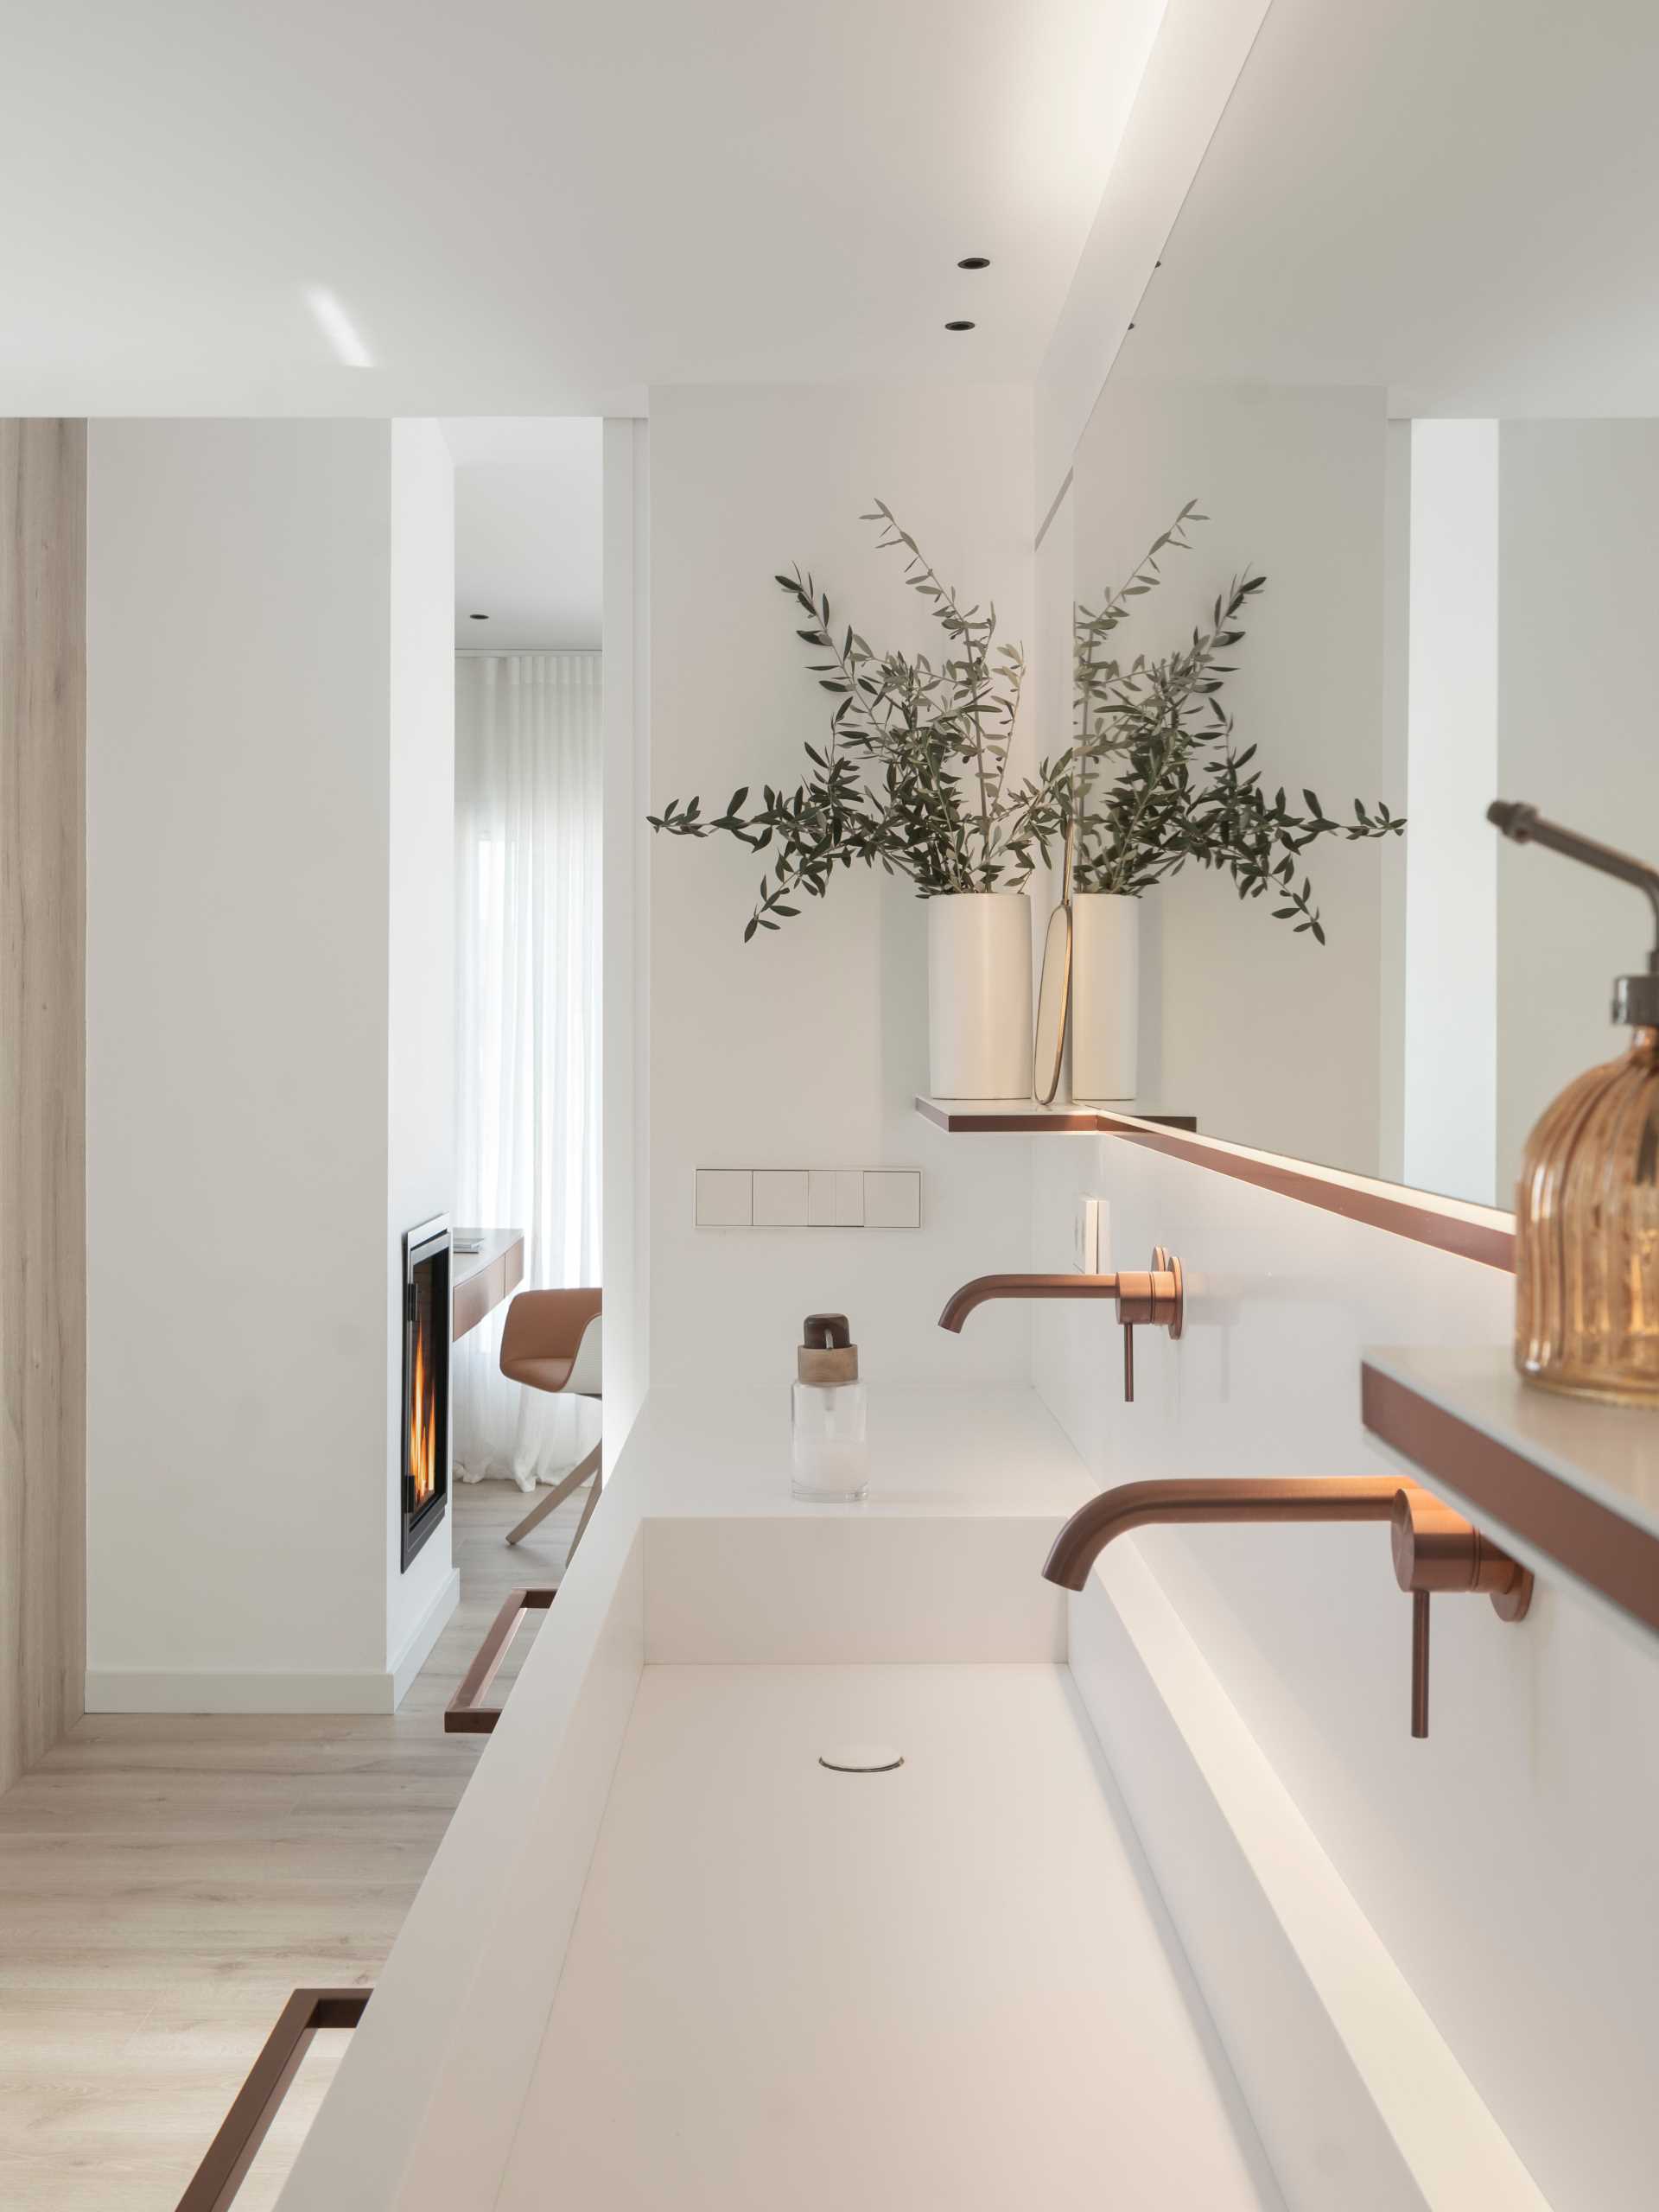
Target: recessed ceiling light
[975,261]
[477,618]
[959,325]
[338,329]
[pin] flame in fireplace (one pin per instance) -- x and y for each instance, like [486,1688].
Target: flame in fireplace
[423,1426]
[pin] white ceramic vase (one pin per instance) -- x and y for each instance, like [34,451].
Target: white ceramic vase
[979,994]
[1105,994]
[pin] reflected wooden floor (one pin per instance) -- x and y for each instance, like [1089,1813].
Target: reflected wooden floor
[166,1881]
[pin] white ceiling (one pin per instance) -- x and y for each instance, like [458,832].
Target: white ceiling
[1458,199]
[529,207]
[528,547]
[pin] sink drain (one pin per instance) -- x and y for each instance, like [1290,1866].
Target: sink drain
[862,1758]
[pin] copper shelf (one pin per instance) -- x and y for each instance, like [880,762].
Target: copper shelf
[1449,1224]
[1568,1484]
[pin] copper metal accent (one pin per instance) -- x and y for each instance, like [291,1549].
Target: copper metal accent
[1420,1663]
[1433,1548]
[244,2128]
[1175,1135]
[1036,1120]
[1615,1557]
[1154,1297]
[464,1715]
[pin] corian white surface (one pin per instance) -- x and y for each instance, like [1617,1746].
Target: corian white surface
[662,1957]
[978,1449]
[1610,1452]
[948,1985]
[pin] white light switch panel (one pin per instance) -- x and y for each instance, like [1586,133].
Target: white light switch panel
[809,1198]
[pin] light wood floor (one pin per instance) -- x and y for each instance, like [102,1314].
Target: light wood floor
[166,1882]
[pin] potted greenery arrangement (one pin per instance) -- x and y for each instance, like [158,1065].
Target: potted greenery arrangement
[913,777]
[1156,782]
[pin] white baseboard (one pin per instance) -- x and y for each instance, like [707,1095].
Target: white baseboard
[206,1689]
[1356,2097]
[424,1634]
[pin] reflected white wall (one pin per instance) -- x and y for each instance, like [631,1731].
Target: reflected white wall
[1451,990]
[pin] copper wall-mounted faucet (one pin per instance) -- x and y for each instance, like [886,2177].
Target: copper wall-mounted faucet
[1435,1549]
[1154,1297]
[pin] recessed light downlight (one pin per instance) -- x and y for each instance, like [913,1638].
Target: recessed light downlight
[477,618]
[976,261]
[959,325]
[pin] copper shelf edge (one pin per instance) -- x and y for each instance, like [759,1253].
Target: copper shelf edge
[1614,1556]
[244,2127]
[1402,1213]
[465,1715]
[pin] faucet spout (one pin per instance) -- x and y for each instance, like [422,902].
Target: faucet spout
[1434,1548]
[1139,1505]
[1154,1295]
[983,1288]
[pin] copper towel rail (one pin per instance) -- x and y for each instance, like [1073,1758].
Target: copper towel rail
[464,1715]
[244,2128]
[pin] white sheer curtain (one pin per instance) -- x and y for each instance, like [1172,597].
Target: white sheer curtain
[527,993]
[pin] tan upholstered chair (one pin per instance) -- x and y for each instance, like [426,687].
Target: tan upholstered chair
[551,1342]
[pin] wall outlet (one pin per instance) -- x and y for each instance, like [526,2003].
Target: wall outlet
[1089,1241]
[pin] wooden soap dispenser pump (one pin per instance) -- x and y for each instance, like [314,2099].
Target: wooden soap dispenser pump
[1586,1207]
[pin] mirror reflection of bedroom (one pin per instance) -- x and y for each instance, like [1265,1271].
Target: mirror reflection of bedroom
[527,1375]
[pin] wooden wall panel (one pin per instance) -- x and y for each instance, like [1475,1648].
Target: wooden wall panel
[42,1086]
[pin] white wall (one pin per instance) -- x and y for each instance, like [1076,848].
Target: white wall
[1269,1039]
[1506,1861]
[1576,737]
[420,954]
[1451,978]
[806,1048]
[625,1044]
[243,671]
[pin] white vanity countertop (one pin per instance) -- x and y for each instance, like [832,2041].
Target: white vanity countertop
[699,1564]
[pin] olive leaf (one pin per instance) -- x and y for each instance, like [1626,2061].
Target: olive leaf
[1156,779]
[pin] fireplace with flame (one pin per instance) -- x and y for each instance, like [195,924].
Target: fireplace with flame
[426,1382]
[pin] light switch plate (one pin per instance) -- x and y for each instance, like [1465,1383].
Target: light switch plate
[893,1197]
[780,1196]
[725,1198]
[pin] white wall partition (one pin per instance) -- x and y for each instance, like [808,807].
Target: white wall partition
[806,1048]
[626,1045]
[1451,979]
[270,1083]
[420,963]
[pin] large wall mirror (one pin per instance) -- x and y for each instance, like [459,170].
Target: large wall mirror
[1403,350]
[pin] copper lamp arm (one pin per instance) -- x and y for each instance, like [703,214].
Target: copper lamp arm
[1524,825]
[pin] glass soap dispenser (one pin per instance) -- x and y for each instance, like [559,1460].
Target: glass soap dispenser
[1586,1208]
[829,1453]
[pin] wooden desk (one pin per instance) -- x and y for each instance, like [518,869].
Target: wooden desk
[480,1280]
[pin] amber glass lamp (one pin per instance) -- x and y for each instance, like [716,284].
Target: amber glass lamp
[1586,1208]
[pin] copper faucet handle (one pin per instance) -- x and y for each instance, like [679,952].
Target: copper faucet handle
[1436,1549]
